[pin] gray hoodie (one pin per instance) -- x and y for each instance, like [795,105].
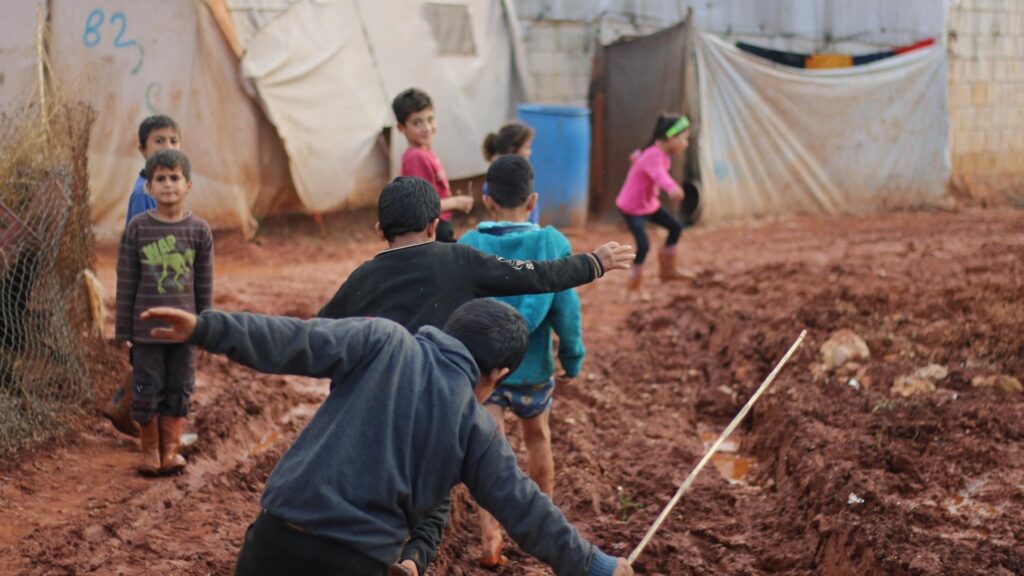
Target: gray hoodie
[399,429]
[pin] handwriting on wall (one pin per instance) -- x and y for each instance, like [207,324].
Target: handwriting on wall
[92,36]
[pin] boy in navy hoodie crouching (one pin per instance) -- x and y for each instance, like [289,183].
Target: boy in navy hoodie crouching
[401,426]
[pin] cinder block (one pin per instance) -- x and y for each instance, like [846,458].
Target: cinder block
[985,22]
[979,94]
[572,38]
[971,117]
[959,96]
[529,9]
[975,141]
[1000,118]
[543,37]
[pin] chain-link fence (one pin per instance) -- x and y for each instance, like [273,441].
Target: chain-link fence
[47,324]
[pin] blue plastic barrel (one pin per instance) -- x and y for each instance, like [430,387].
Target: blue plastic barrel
[561,161]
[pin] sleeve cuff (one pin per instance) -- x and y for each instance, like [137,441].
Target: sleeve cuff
[602,565]
[199,332]
[572,365]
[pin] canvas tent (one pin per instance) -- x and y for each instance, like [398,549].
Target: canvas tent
[774,140]
[132,59]
[283,104]
[327,71]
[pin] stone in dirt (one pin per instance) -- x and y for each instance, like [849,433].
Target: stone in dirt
[933,372]
[844,346]
[1001,381]
[907,386]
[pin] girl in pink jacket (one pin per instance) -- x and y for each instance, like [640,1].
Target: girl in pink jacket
[638,199]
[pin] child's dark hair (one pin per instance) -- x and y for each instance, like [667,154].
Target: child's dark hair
[493,332]
[661,127]
[409,102]
[510,181]
[407,204]
[155,123]
[509,139]
[170,159]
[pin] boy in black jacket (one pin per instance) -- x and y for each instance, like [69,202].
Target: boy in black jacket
[401,426]
[419,282]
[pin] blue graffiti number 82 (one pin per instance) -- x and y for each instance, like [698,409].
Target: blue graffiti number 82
[91,36]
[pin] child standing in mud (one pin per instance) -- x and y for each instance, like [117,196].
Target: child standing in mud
[165,259]
[638,198]
[527,392]
[156,133]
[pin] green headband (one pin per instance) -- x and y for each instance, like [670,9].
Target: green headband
[682,124]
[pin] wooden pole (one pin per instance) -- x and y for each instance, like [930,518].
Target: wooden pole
[714,448]
[44,115]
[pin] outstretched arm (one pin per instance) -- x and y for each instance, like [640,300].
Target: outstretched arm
[528,515]
[274,344]
[496,276]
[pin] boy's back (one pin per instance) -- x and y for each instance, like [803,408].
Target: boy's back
[421,285]
[543,312]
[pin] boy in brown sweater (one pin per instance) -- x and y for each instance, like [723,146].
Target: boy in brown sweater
[165,259]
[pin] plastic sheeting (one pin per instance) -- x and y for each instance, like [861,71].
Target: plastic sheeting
[777,140]
[328,70]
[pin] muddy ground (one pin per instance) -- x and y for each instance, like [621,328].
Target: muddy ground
[844,478]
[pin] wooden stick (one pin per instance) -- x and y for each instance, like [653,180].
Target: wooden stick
[41,67]
[714,448]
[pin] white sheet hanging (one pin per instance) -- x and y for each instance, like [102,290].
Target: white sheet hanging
[778,140]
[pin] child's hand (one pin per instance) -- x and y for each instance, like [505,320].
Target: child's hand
[622,568]
[676,194]
[615,256]
[405,568]
[463,203]
[181,323]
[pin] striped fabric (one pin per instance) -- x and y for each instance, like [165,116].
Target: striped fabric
[162,264]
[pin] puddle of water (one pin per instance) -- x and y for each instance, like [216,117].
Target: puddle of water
[731,465]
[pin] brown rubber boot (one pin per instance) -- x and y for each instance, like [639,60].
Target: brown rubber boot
[119,408]
[170,444]
[149,437]
[667,269]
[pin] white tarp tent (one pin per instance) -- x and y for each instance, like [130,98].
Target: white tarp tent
[133,59]
[777,140]
[323,71]
[327,70]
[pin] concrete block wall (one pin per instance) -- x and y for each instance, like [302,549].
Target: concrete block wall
[560,57]
[986,97]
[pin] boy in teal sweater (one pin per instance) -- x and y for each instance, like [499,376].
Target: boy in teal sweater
[527,391]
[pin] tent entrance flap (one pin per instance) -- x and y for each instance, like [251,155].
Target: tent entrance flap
[632,83]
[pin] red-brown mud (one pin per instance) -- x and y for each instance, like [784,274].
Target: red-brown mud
[845,480]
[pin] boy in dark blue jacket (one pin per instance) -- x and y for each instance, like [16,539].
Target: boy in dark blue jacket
[527,391]
[401,426]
